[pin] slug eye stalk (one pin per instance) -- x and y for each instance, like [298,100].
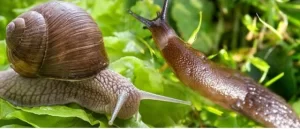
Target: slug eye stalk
[160,16]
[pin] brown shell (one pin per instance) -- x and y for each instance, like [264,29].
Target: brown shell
[56,40]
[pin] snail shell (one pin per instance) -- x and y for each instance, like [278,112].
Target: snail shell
[60,41]
[56,40]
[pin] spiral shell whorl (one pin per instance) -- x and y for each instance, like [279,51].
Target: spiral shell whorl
[56,40]
[26,41]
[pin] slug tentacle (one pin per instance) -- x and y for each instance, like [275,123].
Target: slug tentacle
[161,16]
[147,22]
[164,10]
[226,87]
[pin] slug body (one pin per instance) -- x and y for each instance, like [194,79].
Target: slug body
[57,55]
[226,87]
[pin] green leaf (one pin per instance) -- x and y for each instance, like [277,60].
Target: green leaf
[279,61]
[134,122]
[271,28]
[3,58]
[48,116]
[14,126]
[261,65]
[122,44]
[62,111]
[226,58]
[226,121]
[250,23]
[274,79]
[185,14]
[195,32]
[214,110]
[296,107]
[3,23]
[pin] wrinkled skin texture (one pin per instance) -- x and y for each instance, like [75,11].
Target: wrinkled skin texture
[98,94]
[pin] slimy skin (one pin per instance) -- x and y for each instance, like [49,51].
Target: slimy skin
[226,87]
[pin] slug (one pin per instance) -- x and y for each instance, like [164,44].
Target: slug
[226,87]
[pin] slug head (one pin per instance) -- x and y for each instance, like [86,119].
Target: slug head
[159,27]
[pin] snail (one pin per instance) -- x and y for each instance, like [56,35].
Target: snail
[57,57]
[226,87]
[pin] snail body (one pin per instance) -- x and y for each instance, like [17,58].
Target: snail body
[226,87]
[57,55]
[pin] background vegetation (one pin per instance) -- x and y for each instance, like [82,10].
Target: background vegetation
[258,37]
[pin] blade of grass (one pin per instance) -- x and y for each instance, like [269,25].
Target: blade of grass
[195,32]
[270,27]
[274,79]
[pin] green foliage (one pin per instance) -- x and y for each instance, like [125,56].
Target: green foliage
[3,57]
[186,13]
[267,48]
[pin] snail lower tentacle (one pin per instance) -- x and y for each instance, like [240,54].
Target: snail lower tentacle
[226,87]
